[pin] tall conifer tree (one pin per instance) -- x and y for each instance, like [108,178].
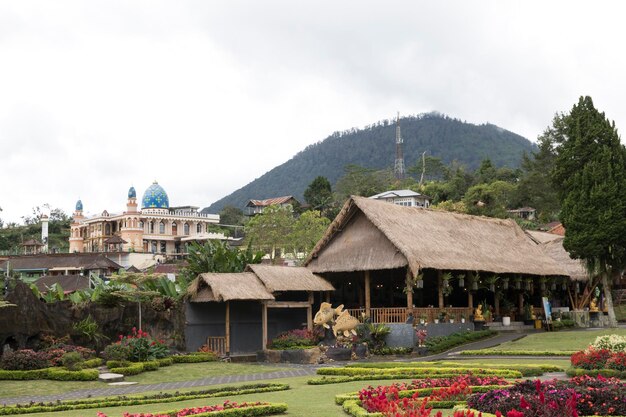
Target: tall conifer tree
[590,174]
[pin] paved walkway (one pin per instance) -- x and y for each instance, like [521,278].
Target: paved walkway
[291,371]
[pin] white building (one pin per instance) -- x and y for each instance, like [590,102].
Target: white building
[404,198]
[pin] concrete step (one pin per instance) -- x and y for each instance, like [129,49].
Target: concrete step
[110,377]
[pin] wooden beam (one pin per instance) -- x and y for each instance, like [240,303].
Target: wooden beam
[328,296]
[409,290]
[520,303]
[264,323]
[227,328]
[368,301]
[288,304]
[440,288]
[470,294]
[309,312]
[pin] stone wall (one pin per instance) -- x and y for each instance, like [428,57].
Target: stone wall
[23,326]
[403,335]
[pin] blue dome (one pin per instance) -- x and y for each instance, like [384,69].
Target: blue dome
[132,193]
[155,197]
[79,205]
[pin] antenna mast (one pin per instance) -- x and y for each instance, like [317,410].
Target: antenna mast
[398,168]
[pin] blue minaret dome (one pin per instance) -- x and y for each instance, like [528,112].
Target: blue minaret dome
[79,205]
[132,193]
[155,197]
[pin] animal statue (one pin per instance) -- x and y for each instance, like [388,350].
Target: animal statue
[326,314]
[345,324]
[478,313]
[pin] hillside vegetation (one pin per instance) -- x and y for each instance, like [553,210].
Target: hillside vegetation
[374,147]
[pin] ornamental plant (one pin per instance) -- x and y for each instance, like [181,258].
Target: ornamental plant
[296,338]
[613,343]
[143,347]
[227,405]
[591,358]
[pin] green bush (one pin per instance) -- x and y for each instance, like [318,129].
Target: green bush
[386,350]
[374,373]
[92,363]
[526,370]
[607,373]
[195,357]
[72,361]
[165,361]
[117,352]
[563,324]
[494,352]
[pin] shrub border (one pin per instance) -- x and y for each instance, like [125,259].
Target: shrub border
[494,352]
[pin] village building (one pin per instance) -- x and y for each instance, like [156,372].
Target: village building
[239,312]
[254,207]
[387,261]
[525,213]
[155,228]
[406,198]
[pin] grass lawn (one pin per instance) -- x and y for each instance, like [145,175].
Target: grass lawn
[563,362]
[177,372]
[558,341]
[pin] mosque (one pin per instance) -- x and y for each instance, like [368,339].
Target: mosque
[155,228]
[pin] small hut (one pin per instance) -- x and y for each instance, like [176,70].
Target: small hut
[238,312]
[377,253]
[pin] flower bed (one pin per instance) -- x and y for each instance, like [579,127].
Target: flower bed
[607,354]
[228,408]
[121,401]
[578,396]
[404,372]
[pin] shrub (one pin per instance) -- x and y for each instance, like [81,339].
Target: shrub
[57,374]
[23,360]
[296,338]
[590,358]
[195,357]
[72,361]
[117,352]
[613,343]
[143,347]
[617,361]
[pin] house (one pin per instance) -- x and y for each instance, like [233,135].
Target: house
[69,283]
[32,247]
[404,198]
[526,213]
[384,259]
[32,267]
[240,312]
[254,207]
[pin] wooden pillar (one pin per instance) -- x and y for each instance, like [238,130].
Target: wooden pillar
[309,312]
[409,290]
[470,298]
[328,296]
[520,303]
[227,328]
[440,288]
[496,304]
[264,323]
[368,300]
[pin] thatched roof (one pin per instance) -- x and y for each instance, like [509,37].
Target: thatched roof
[286,278]
[227,287]
[369,234]
[542,237]
[574,267]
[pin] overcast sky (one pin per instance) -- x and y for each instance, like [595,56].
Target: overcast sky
[206,96]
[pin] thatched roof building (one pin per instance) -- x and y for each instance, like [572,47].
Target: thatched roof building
[280,278]
[228,287]
[555,250]
[373,235]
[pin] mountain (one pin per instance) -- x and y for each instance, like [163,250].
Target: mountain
[374,147]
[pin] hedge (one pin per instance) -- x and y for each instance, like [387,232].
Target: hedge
[124,401]
[251,411]
[477,412]
[341,379]
[442,343]
[494,352]
[353,407]
[571,372]
[194,357]
[373,373]
[55,374]
[526,370]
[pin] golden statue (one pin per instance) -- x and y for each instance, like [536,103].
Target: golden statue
[478,313]
[593,305]
[345,324]
[326,314]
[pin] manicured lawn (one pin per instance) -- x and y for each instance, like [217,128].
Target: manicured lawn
[178,372]
[564,362]
[558,341]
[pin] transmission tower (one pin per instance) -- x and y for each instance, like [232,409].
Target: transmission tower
[398,168]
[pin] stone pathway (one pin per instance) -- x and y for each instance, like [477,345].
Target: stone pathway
[135,389]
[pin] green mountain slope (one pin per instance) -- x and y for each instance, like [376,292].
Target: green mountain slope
[374,147]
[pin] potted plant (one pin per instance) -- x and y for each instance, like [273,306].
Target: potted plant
[423,319]
[528,315]
[442,316]
[463,317]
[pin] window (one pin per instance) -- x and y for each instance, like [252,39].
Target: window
[199,228]
[151,228]
[141,225]
[186,229]
[162,247]
[174,229]
[162,228]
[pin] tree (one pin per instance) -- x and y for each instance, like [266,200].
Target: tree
[231,215]
[270,230]
[307,231]
[319,194]
[362,181]
[590,176]
[432,168]
[217,256]
[490,199]
[486,173]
